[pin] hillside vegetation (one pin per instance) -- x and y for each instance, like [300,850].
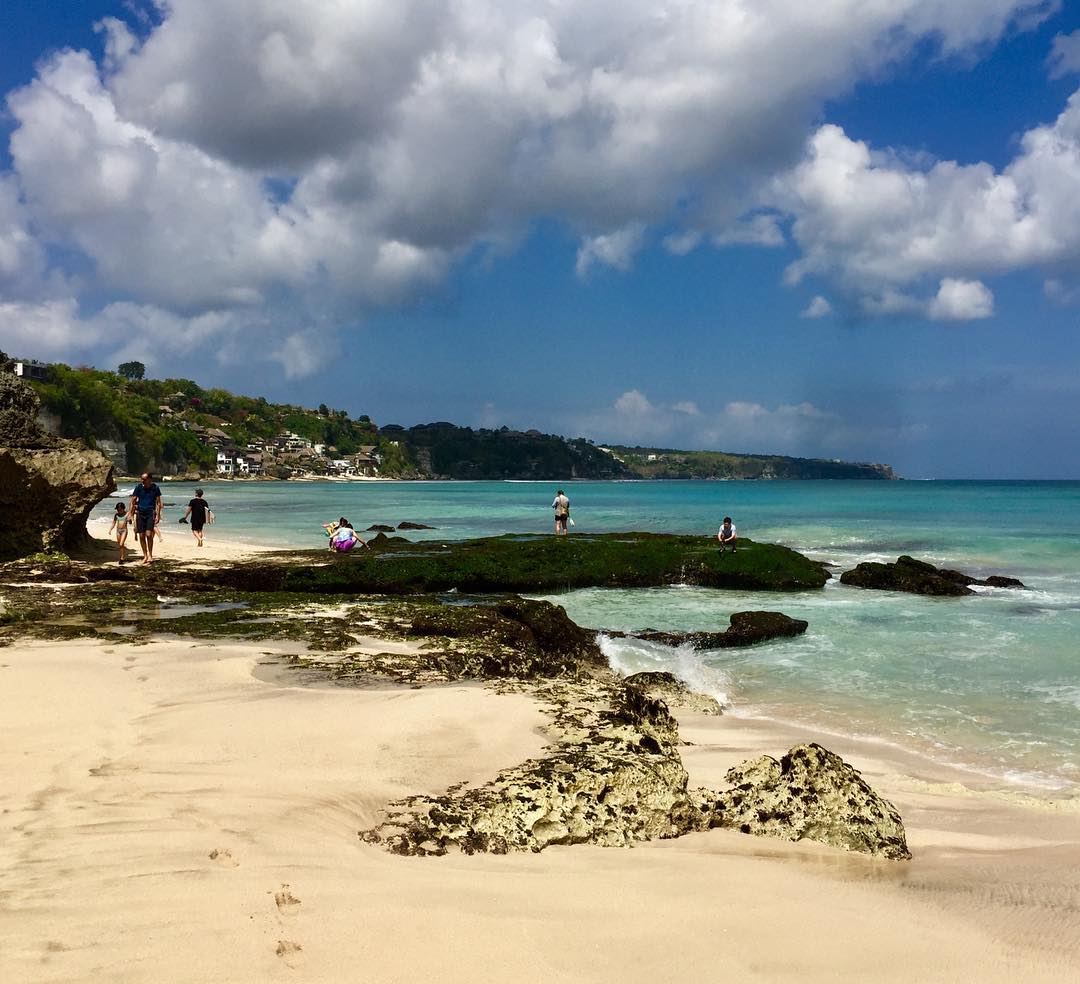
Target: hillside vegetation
[162,423]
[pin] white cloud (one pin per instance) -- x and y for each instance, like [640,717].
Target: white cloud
[633,403]
[301,354]
[819,307]
[22,258]
[874,224]
[961,300]
[616,249]
[1064,55]
[253,160]
[50,328]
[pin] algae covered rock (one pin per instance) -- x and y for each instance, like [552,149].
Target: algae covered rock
[918,577]
[809,794]
[513,637]
[613,779]
[746,629]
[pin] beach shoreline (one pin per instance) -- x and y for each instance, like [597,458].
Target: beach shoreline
[188,809]
[213,799]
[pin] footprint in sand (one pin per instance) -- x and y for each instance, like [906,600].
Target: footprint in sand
[287,949]
[285,900]
[223,856]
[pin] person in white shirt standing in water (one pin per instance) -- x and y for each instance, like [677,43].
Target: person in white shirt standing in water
[561,505]
[727,535]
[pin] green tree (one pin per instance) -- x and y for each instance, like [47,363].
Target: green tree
[131,370]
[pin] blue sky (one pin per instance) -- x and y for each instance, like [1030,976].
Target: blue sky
[840,231]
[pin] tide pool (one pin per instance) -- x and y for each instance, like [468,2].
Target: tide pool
[990,682]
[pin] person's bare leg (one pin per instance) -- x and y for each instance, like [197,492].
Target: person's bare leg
[148,550]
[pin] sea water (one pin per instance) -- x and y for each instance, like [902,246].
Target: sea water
[989,682]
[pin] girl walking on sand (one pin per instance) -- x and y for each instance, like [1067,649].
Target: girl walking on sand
[120,524]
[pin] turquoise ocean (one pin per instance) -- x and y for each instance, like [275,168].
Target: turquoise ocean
[990,683]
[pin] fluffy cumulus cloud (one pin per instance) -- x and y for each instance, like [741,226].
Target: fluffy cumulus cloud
[877,225]
[273,164]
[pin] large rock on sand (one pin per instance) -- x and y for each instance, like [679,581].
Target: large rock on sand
[47,486]
[613,779]
[810,794]
[918,577]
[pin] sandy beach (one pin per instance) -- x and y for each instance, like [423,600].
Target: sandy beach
[180,811]
[177,543]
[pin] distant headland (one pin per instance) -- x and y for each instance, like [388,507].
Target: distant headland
[176,428]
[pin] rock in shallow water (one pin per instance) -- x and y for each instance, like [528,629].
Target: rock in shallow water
[918,577]
[746,629]
[810,794]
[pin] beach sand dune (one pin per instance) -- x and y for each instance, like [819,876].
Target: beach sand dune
[168,813]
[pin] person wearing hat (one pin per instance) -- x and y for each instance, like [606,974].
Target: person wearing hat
[198,509]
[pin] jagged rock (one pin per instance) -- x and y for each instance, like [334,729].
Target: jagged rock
[19,406]
[47,486]
[746,629]
[46,496]
[811,794]
[919,577]
[415,526]
[380,528]
[615,779]
[513,638]
[661,685]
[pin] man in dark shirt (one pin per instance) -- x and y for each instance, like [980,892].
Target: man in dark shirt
[197,510]
[146,506]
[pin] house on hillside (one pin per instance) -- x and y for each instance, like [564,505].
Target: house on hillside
[31,369]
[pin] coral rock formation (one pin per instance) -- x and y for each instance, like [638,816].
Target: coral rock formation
[810,794]
[613,778]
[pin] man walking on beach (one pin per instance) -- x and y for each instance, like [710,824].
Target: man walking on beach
[561,505]
[146,505]
[727,535]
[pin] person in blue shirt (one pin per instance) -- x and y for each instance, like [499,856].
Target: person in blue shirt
[146,505]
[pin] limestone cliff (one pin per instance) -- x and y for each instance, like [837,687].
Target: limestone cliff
[47,486]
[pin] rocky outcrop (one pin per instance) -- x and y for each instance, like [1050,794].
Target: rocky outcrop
[746,629]
[661,685]
[415,526]
[810,794]
[614,778]
[918,577]
[380,528]
[514,637]
[47,486]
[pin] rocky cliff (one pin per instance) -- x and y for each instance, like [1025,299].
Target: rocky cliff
[47,486]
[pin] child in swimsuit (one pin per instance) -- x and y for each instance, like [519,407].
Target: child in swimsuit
[120,524]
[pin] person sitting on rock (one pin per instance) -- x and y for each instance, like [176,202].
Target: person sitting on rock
[727,535]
